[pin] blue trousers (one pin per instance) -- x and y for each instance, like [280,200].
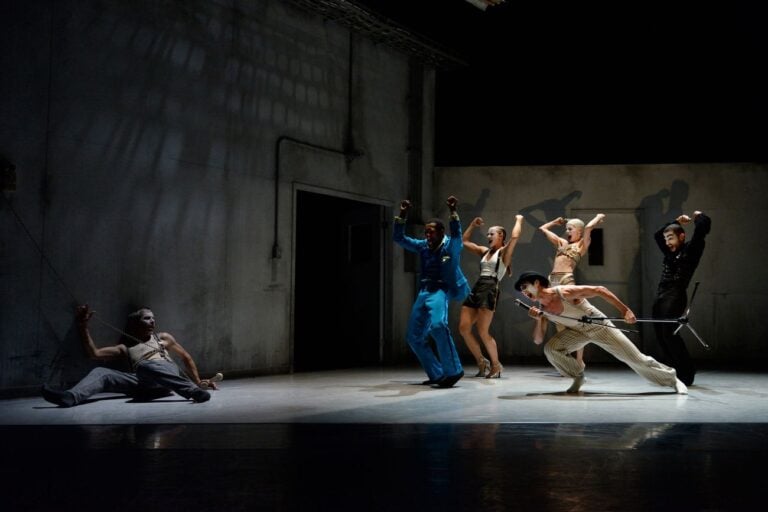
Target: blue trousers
[429,317]
[149,376]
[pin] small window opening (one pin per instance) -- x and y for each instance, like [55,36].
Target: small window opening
[595,252]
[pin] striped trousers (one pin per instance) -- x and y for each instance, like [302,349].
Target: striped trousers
[571,339]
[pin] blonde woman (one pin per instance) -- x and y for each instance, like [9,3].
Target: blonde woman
[569,251]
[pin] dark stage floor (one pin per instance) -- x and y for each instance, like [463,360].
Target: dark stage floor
[323,442]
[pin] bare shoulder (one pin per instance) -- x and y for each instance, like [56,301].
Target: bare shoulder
[166,338]
[575,292]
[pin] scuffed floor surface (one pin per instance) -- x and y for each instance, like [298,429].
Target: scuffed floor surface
[373,439]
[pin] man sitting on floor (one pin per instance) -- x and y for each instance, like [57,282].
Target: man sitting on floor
[154,373]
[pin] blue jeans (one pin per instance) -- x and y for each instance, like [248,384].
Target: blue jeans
[429,317]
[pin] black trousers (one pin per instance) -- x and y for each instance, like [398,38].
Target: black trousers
[670,304]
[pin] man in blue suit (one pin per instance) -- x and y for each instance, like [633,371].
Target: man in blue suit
[441,280]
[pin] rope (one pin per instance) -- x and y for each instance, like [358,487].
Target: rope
[56,273]
[39,249]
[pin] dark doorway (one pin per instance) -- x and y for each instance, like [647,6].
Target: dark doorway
[337,301]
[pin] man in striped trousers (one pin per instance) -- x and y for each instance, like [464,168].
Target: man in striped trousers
[565,305]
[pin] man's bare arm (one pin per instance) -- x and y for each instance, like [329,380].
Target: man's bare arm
[172,345]
[540,328]
[82,315]
[575,292]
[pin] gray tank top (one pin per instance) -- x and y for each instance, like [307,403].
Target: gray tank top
[147,351]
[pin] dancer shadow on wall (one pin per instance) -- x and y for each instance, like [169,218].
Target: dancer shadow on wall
[468,211]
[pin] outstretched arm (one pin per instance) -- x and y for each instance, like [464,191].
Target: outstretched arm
[398,230]
[586,239]
[574,292]
[191,368]
[696,245]
[452,203]
[552,237]
[703,224]
[405,206]
[467,237]
[82,315]
[507,250]
[454,225]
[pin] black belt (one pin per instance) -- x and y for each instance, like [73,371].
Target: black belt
[430,285]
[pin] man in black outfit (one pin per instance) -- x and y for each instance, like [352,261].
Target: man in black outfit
[680,261]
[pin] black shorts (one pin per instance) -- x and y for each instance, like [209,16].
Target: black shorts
[484,294]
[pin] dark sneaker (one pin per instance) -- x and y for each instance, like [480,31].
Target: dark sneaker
[200,395]
[60,398]
[448,382]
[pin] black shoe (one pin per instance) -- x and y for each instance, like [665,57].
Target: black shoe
[200,395]
[448,382]
[60,398]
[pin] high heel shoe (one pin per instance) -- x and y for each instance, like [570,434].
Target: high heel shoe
[483,368]
[495,372]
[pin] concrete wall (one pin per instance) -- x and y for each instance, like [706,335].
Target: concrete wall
[637,199]
[144,136]
[145,139]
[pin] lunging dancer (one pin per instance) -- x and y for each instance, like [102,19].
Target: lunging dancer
[566,305]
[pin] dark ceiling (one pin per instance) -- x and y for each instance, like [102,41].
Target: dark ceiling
[585,84]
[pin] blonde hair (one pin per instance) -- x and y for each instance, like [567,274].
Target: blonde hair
[577,223]
[501,230]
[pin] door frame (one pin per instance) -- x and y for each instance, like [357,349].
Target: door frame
[385,262]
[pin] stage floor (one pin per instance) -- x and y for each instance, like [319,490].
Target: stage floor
[375,439]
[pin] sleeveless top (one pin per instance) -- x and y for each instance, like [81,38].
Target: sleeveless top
[570,251]
[492,266]
[148,350]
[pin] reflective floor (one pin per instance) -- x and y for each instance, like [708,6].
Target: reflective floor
[374,439]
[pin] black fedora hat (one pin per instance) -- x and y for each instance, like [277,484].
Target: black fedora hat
[529,276]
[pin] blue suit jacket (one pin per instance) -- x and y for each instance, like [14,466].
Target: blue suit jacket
[454,281]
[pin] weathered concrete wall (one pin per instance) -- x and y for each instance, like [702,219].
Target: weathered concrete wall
[144,136]
[638,199]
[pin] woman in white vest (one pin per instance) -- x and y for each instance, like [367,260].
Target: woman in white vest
[479,307]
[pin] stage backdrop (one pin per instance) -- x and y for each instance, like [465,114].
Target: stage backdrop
[637,199]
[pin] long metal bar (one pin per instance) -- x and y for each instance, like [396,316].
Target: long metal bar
[582,319]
